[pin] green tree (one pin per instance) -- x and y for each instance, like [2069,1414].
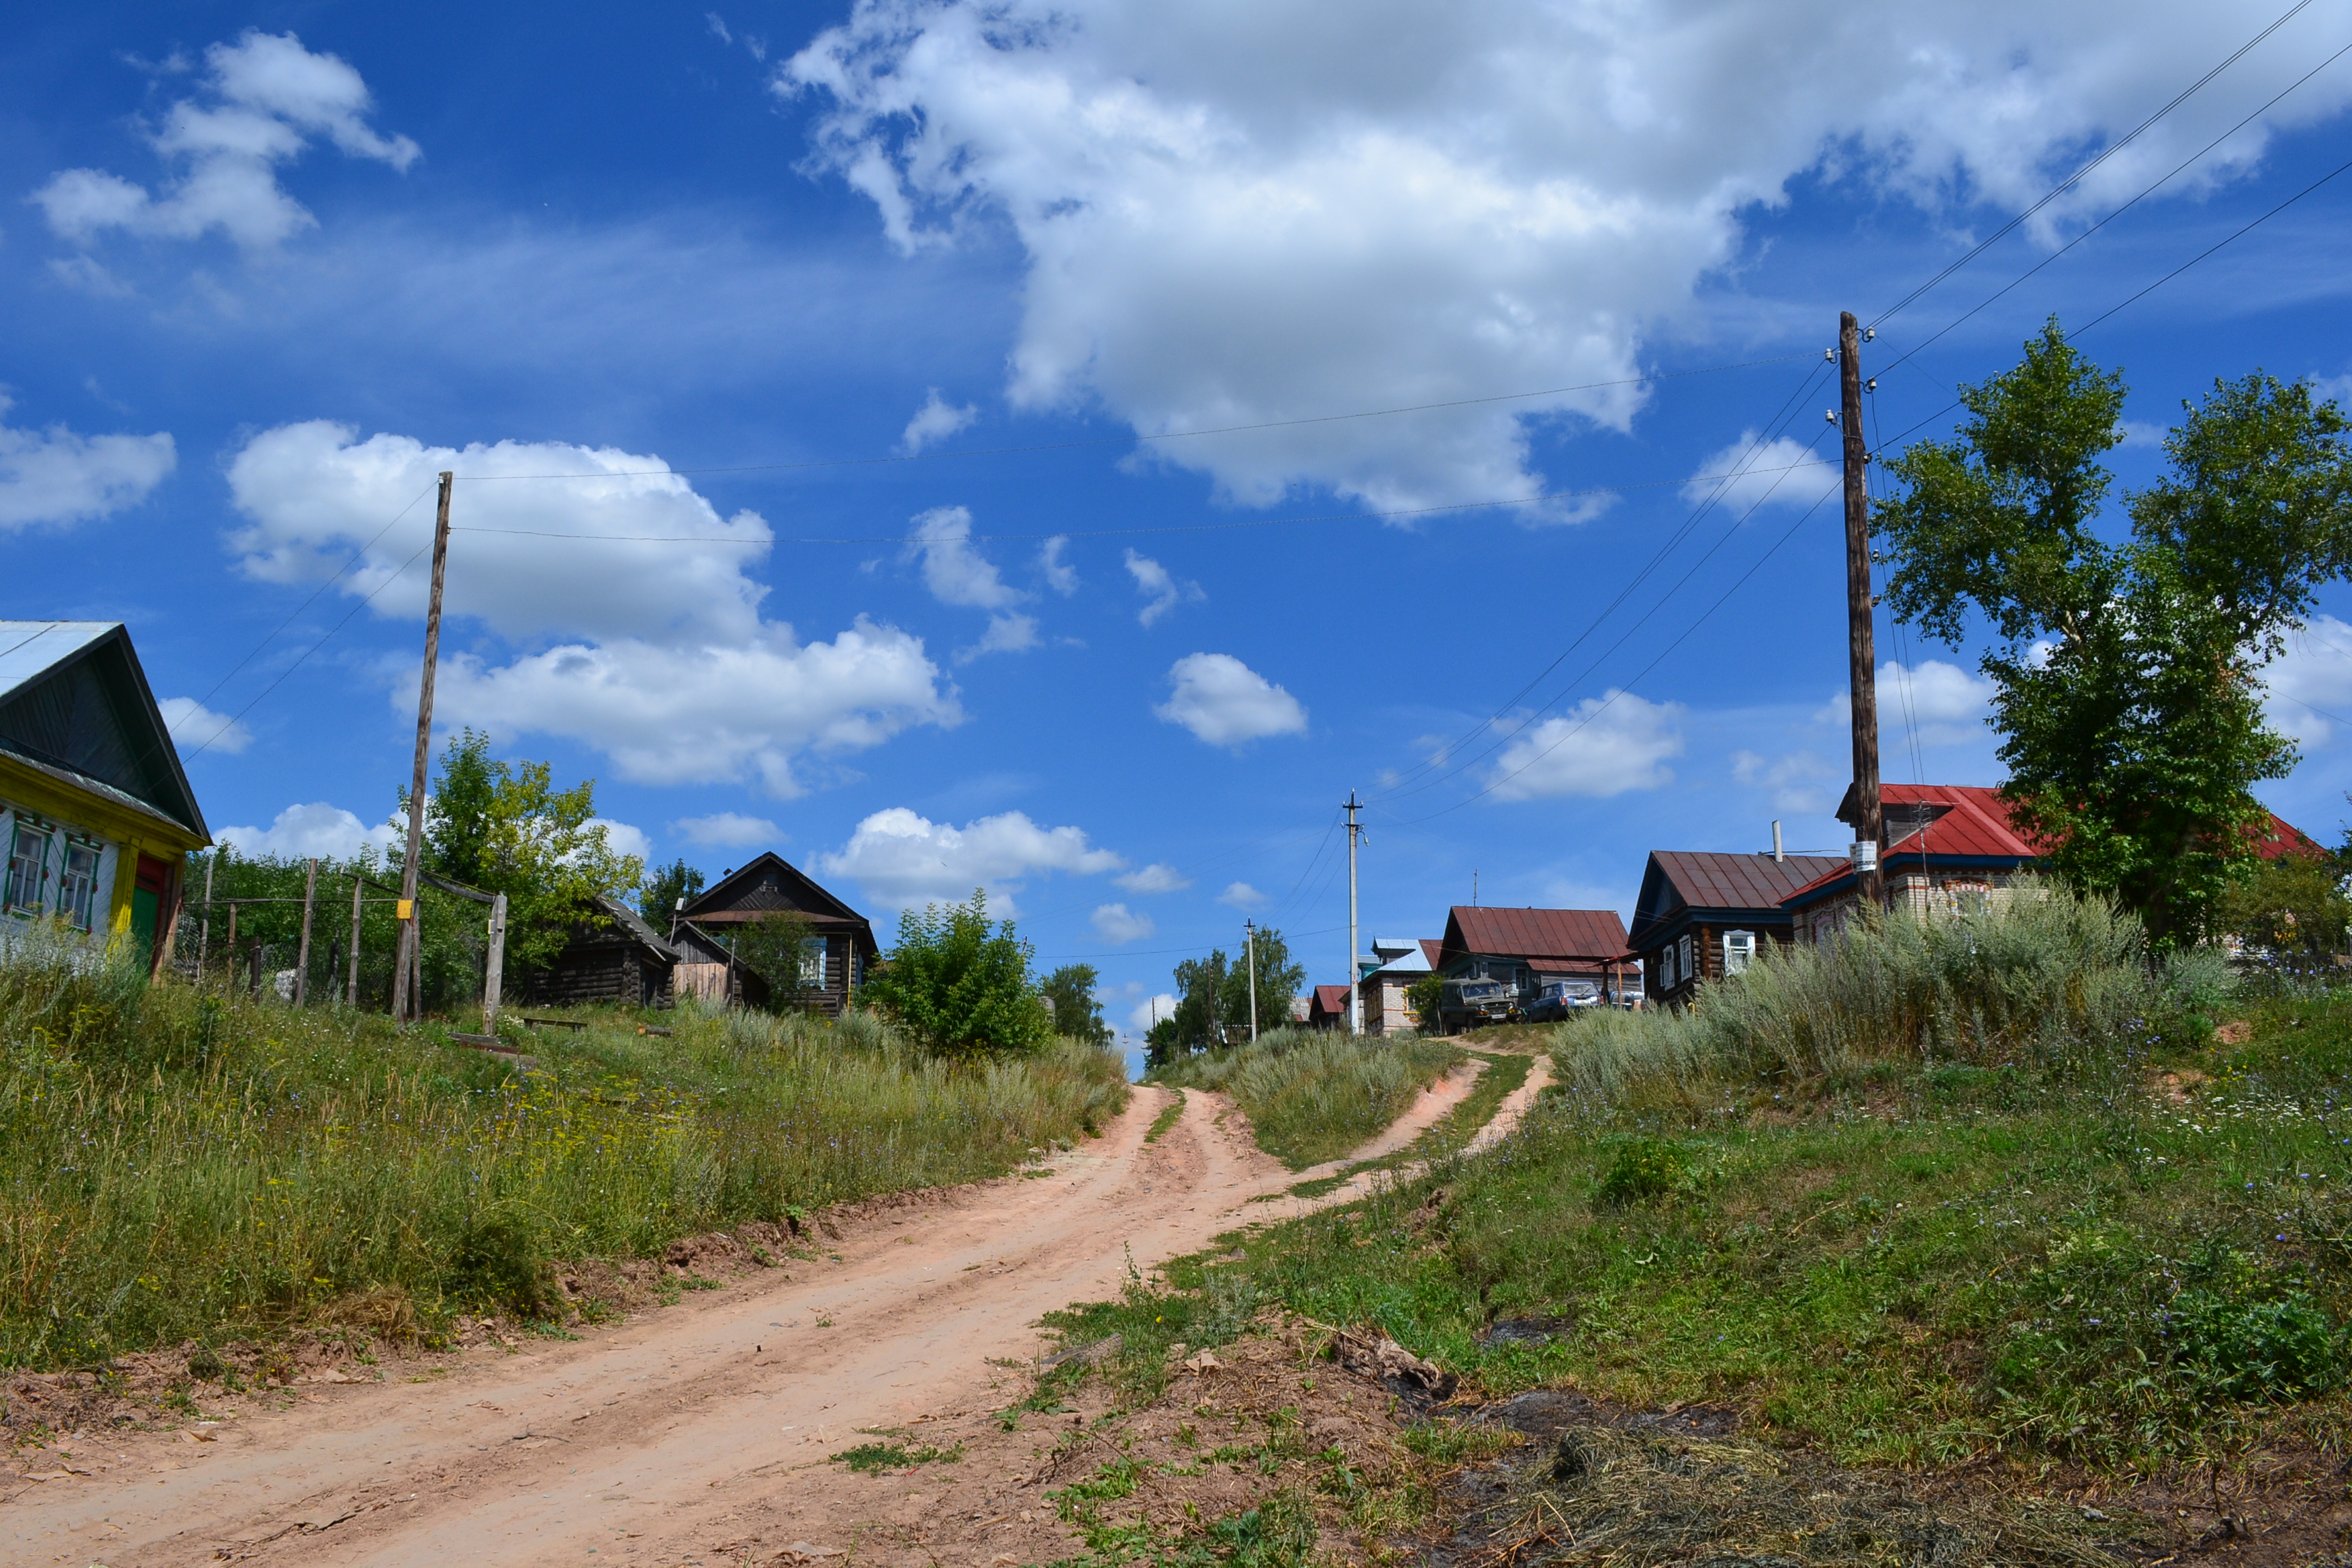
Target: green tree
[774,947]
[504,827]
[2126,671]
[666,890]
[961,985]
[1071,990]
[1424,997]
[2294,907]
[1279,979]
[1204,1004]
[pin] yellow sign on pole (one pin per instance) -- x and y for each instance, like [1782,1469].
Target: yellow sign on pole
[407,909]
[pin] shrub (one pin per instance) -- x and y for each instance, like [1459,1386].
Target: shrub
[1643,1168]
[2286,1348]
[961,986]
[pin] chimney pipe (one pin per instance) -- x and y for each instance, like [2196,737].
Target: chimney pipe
[1777,856]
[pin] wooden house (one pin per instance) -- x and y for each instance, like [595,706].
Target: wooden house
[1702,915]
[619,960]
[96,816]
[839,949]
[1326,1007]
[1380,999]
[1524,948]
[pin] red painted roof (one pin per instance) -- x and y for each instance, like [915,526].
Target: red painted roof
[1332,999]
[1534,933]
[1431,946]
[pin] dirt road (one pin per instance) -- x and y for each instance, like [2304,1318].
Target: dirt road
[653,1443]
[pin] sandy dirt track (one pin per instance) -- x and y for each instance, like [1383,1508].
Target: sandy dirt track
[650,1443]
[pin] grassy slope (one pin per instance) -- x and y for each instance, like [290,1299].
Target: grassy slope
[1312,1096]
[1899,1262]
[177,1165]
[1452,1133]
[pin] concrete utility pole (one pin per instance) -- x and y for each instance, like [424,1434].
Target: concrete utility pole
[1355,832]
[493,976]
[356,887]
[405,910]
[1861,655]
[1249,944]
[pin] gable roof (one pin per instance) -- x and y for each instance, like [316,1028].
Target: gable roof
[1681,883]
[1573,935]
[75,704]
[1330,1000]
[634,925]
[768,885]
[1418,959]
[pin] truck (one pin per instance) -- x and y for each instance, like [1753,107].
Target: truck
[1473,1003]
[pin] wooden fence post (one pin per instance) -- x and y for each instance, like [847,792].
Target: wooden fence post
[302,953]
[356,886]
[496,970]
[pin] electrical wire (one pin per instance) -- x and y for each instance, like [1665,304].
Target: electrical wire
[2077,176]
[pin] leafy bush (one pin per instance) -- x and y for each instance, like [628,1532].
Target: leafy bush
[961,986]
[1643,1168]
[2286,1348]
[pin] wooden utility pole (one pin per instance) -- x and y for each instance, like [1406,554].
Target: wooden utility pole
[204,927]
[1249,945]
[406,910]
[1861,652]
[228,954]
[1355,832]
[302,953]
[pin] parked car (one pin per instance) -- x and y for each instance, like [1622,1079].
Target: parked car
[1473,1003]
[1562,999]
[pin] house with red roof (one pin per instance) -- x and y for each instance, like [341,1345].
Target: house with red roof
[1326,1007]
[1703,914]
[1950,849]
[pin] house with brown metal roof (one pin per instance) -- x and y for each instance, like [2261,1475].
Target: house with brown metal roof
[838,951]
[1527,947]
[1326,1007]
[1703,914]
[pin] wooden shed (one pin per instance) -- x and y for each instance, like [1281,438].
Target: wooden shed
[620,960]
[841,945]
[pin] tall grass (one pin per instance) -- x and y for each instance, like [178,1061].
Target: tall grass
[1314,1095]
[2047,978]
[174,1163]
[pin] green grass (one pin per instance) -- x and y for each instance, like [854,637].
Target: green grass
[868,1457]
[2035,1244]
[1314,1095]
[1169,1114]
[177,1165]
[1451,1134]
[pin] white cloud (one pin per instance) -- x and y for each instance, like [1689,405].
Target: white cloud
[1156,878]
[1005,634]
[318,829]
[727,830]
[1945,704]
[1115,924]
[954,570]
[1226,703]
[1059,574]
[624,840]
[1604,746]
[1153,580]
[266,99]
[1745,475]
[2311,684]
[718,712]
[1241,212]
[663,662]
[717,24]
[194,725]
[903,860]
[1241,896]
[936,420]
[1799,782]
[1149,1010]
[56,476]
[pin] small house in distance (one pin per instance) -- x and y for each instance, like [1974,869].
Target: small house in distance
[839,948]
[1380,994]
[1326,1007]
[1702,914]
[96,815]
[1524,948]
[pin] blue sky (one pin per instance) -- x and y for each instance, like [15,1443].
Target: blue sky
[875,334]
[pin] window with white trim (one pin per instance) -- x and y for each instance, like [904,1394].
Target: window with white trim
[77,882]
[813,962]
[1683,956]
[1738,950]
[28,867]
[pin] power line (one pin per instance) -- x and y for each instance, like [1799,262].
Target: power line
[1154,436]
[2071,181]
